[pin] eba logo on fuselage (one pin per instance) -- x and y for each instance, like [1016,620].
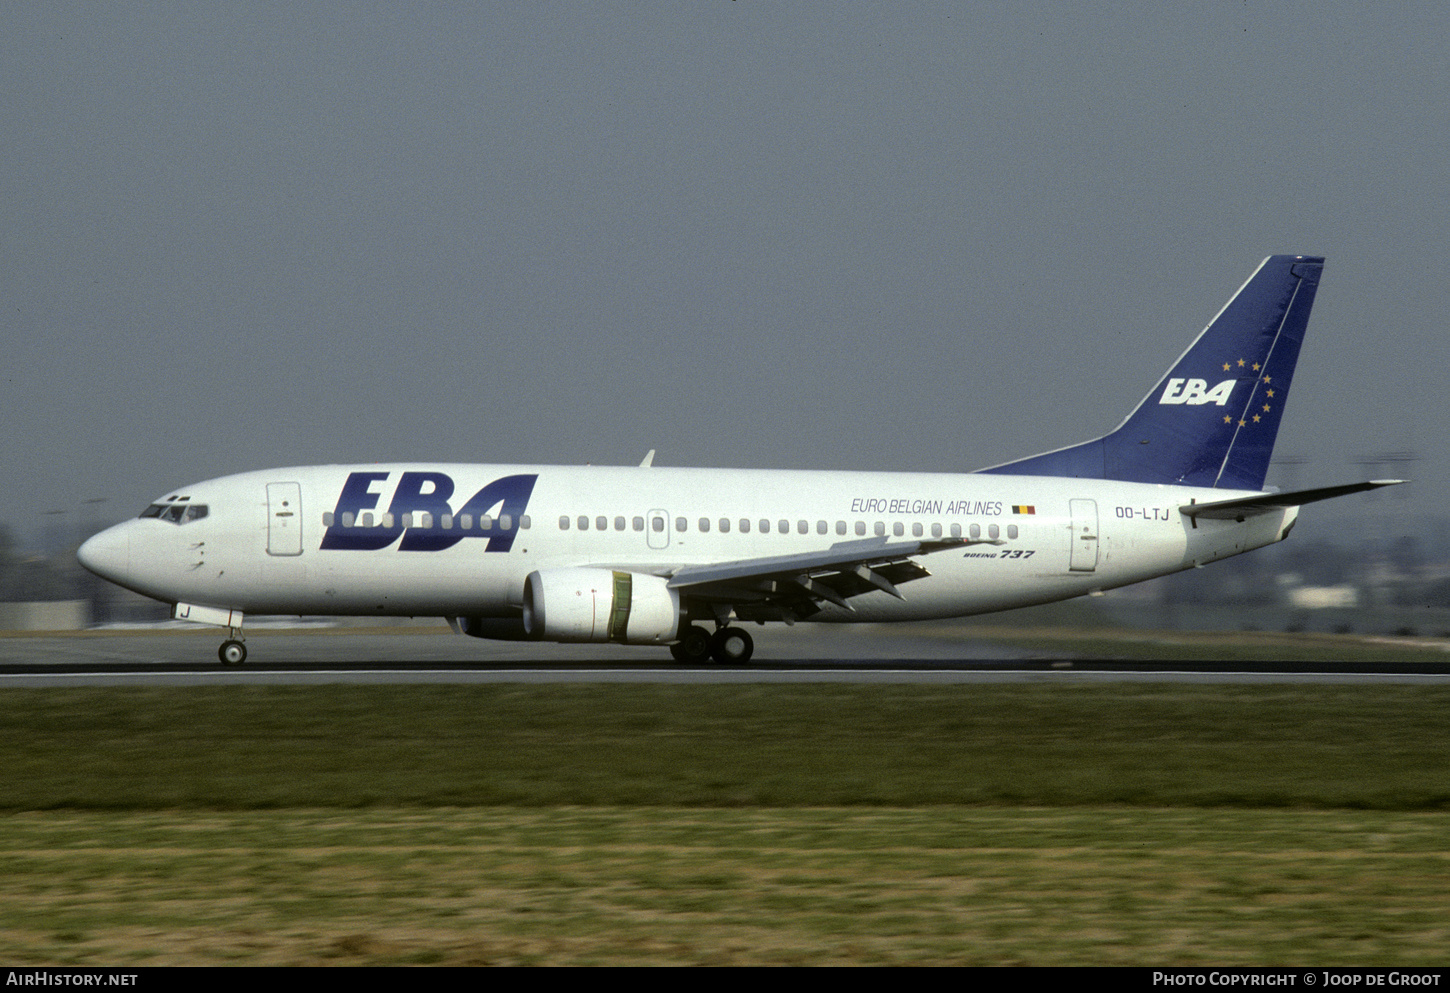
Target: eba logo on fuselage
[1195,391]
[500,504]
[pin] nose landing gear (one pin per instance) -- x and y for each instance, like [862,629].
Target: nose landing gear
[233,651]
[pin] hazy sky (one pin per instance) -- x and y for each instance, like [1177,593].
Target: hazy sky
[881,236]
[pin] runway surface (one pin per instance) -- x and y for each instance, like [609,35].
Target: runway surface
[412,655]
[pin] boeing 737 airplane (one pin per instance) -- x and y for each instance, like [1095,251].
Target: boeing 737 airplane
[681,557]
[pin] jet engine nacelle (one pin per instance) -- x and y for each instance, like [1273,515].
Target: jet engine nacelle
[600,605]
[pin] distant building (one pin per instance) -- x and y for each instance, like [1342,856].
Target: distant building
[1324,597]
[45,615]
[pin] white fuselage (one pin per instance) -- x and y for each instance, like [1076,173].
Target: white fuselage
[320,539]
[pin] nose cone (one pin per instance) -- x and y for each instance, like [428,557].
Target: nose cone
[108,554]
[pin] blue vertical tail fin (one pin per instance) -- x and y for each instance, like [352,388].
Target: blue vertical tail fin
[1213,417]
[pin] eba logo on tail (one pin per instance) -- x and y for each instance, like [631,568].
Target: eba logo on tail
[1196,391]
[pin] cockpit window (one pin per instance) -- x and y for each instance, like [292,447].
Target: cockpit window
[176,513]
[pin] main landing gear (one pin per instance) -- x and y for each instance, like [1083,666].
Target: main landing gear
[727,646]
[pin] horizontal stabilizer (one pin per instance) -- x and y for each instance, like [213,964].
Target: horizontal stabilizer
[1237,510]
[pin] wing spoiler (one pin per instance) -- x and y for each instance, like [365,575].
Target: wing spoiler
[840,556]
[791,587]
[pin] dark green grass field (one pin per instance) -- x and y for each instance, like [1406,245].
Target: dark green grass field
[1152,744]
[799,824]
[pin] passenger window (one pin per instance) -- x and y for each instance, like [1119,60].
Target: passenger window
[724,525]
[387,520]
[619,524]
[956,530]
[639,524]
[466,521]
[367,519]
[976,531]
[916,530]
[993,531]
[802,527]
[936,530]
[327,519]
[659,524]
[485,523]
[764,526]
[1011,530]
[822,527]
[840,527]
[744,525]
[680,525]
[898,529]
[564,522]
[880,529]
[601,523]
[704,525]
[505,521]
[349,519]
[447,521]
[861,528]
[785,527]
[583,523]
[525,523]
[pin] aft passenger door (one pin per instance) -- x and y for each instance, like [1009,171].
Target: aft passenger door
[1084,555]
[284,519]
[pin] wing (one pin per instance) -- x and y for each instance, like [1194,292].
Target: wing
[793,587]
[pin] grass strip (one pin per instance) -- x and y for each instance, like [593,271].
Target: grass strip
[1150,745]
[674,886]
